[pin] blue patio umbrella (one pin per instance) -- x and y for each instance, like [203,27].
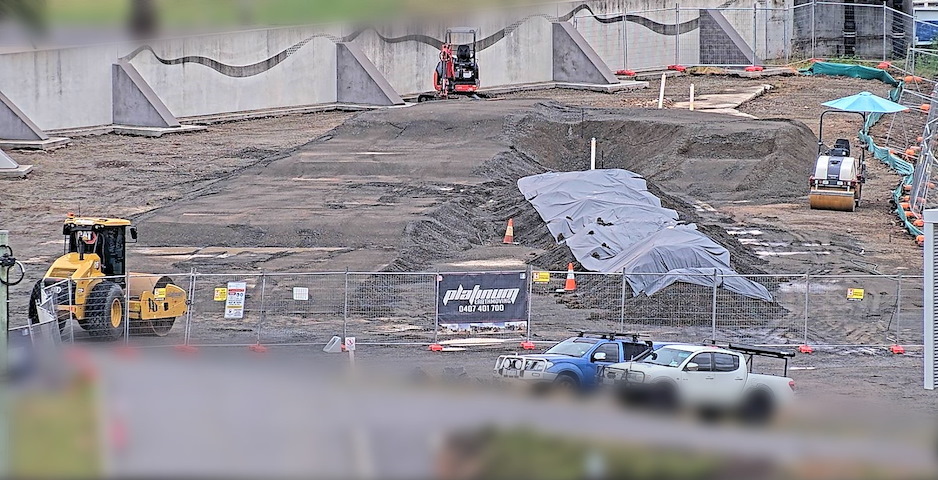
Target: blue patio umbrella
[865,102]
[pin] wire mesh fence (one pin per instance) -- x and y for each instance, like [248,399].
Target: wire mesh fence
[403,308]
[758,35]
[750,320]
[392,307]
[302,308]
[676,312]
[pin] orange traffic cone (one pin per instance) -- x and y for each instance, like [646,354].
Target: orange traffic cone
[510,232]
[570,284]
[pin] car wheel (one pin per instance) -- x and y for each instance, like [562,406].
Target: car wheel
[663,397]
[566,382]
[629,397]
[757,408]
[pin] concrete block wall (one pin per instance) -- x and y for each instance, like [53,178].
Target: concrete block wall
[286,67]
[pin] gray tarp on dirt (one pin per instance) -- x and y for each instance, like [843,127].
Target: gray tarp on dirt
[612,223]
[725,278]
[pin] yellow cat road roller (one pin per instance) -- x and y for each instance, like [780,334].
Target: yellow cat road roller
[94,265]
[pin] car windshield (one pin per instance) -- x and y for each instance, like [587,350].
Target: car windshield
[573,347]
[668,357]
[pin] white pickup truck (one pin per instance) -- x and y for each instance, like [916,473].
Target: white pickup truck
[706,377]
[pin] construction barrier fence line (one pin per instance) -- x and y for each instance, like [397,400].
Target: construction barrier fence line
[414,308]
[653,39]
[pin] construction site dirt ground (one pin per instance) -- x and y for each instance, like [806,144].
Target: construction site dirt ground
[430,187]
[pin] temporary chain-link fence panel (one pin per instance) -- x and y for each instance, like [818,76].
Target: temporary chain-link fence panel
[226,309]
[907,327]
[607,35]
[303,308]
[775,43]
[679,312]
[52,301]
[742,36]
[732,36]
[158,308]
[392,308]
[897,34]
[851,310]
[743,319]
[401,308]
[594,305]
[921,194]
[94,307]
[802,45]
[640,40]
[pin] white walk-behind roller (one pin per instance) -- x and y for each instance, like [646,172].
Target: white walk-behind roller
[838,177]
[837,180]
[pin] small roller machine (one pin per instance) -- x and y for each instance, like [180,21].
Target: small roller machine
[837,179]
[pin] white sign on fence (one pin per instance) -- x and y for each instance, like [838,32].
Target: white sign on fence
[350,344]
[301,294]
[234,304]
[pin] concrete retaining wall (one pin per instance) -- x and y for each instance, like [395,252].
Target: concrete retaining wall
[237,72]
[62,88]
[241,71]
[653,34]
[829,25]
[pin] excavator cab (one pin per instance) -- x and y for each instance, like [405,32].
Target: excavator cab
[91,284]
[457,72]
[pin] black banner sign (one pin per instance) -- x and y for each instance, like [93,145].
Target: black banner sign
[472,301]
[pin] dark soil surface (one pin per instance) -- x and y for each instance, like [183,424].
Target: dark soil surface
[430,187]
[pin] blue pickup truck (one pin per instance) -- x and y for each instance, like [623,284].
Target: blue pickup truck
[573,363]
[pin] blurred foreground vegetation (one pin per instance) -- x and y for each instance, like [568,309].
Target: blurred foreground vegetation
[176,14]
[55,435]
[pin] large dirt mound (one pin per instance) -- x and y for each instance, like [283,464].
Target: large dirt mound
[687,157]
[403,189]
[695,155]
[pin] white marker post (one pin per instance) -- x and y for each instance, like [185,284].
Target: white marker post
[664,78]
[593,153]
[350,348]
[692,96]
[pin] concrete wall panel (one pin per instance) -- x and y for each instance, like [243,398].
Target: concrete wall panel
[64,88]
[235,71]
[359,81]
[135,103]
[306,76]
[523,56]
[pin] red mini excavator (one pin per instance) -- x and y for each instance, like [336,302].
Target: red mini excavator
[457,72]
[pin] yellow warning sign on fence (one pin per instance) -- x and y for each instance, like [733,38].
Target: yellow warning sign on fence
[541,277]
[855,294]
[221,294]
